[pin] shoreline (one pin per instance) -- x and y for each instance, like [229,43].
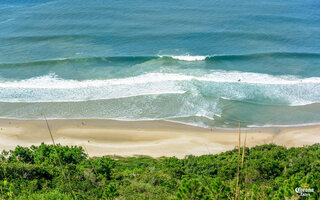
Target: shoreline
[151,138]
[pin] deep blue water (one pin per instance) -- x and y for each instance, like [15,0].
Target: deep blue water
[208,63]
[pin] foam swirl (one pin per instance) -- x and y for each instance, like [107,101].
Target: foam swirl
[220,84]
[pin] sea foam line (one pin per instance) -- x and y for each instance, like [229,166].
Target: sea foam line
[50,88]
[52,81]
[185,57]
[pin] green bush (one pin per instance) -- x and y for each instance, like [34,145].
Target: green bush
[273,172]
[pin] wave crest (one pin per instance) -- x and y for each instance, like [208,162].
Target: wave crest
[187,58]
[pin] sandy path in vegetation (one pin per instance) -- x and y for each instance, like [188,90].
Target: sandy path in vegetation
[152,138]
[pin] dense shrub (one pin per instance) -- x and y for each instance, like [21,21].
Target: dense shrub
[270,172]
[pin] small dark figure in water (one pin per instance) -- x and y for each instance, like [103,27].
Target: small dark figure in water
[239,80]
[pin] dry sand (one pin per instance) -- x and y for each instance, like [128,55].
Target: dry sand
[152,138]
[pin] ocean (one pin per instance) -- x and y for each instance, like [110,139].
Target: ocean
[207,63]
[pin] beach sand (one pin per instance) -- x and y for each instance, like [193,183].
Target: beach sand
[152,138]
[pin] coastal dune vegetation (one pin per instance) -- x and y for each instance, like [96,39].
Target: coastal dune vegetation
[67,172]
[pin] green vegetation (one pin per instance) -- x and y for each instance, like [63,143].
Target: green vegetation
[269,172]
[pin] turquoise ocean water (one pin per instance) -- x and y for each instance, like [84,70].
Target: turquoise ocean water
[206,63]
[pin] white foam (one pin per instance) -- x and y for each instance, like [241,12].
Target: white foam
[187,57]
[52,81]
[293,90]
[50,88]
[255,78]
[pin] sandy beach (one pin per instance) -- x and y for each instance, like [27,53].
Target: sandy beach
[152,138]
